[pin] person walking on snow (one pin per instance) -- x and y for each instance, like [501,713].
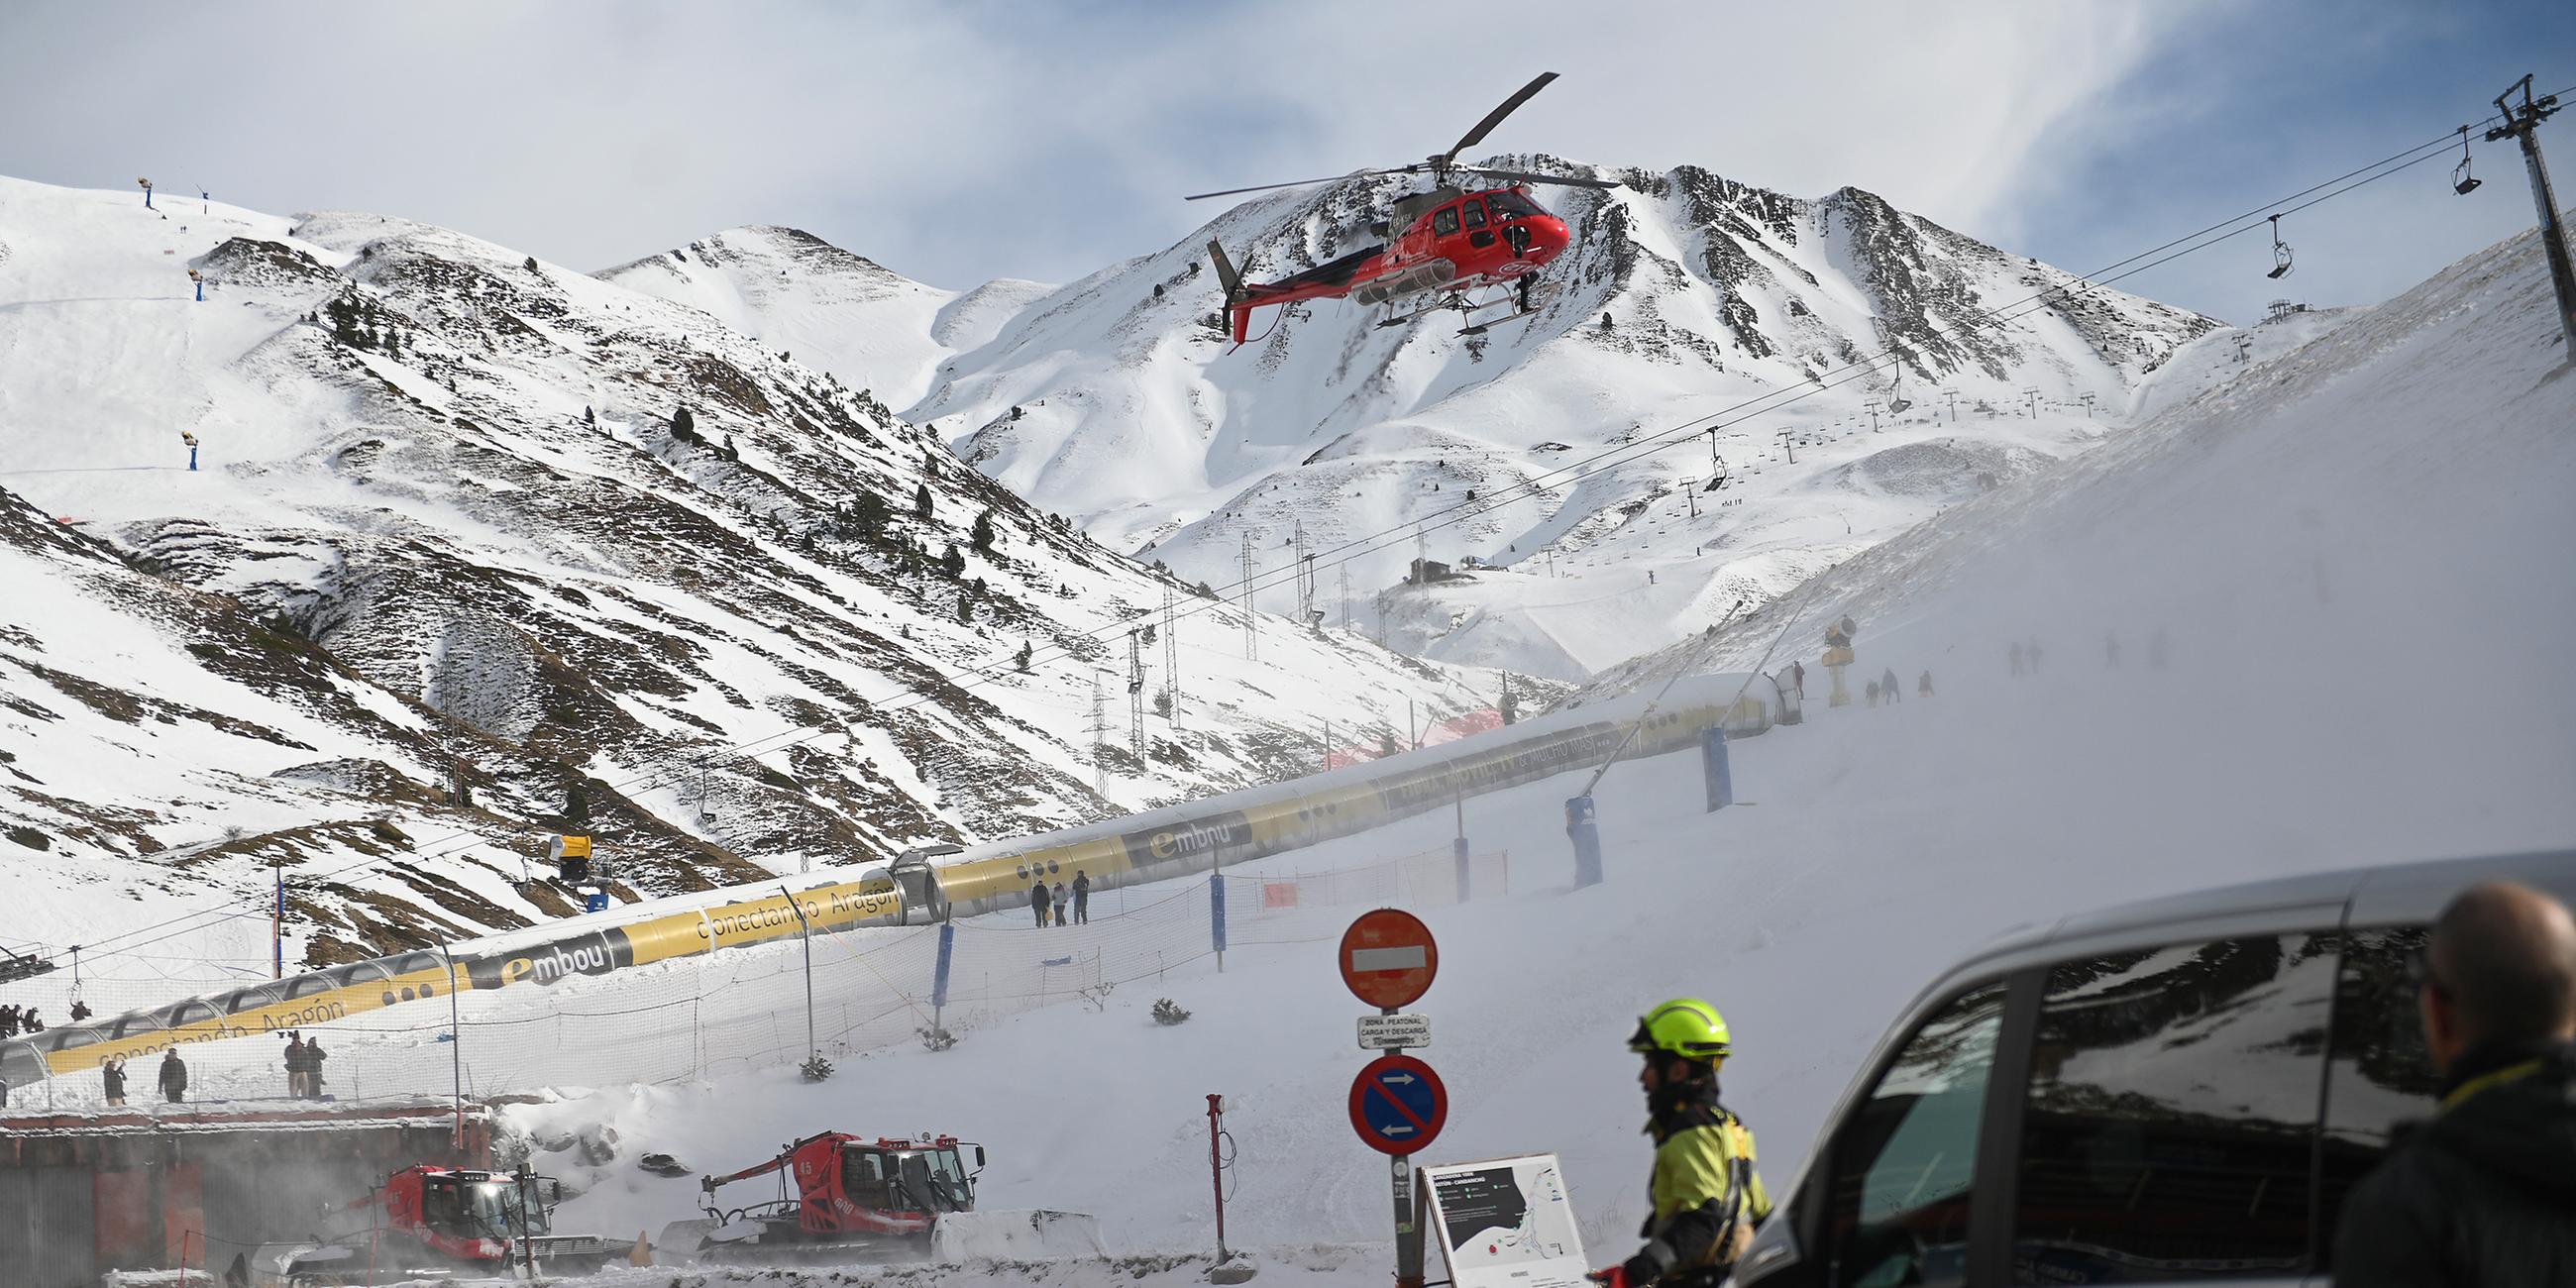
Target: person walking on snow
[1038,901]
[295,1066]
[1081,897]
[1887,684]
[1872,691]
[111,1076]
[1798,679]
[1707,1198]
[189,436]
[174,1077]
[1063,904]
[1923,687]
[313,1058]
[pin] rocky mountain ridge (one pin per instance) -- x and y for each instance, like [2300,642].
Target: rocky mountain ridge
[549,554]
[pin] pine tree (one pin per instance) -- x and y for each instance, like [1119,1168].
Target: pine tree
[532,263]
[981,537]
[965,604]
[344,319]
[921,500]
[684,427]
[1021,658]
[588,416]
[952,562]
[868,515]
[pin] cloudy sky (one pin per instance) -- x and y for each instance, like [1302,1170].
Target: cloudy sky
[958,142]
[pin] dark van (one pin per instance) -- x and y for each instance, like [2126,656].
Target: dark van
[2180,1090]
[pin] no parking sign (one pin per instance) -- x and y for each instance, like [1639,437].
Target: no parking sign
[1398,1104]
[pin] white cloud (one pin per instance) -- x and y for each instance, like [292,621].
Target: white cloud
[957,142]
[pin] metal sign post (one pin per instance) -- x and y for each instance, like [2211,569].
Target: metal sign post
[1397,1104]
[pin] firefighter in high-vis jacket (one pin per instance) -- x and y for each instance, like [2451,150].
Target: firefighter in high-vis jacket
[1707,1197]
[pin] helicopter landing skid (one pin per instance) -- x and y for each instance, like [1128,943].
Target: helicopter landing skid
[1518,301]
[1481,327]
[1467,308]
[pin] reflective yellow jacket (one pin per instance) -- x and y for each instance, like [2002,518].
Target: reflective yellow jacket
[1707,1195]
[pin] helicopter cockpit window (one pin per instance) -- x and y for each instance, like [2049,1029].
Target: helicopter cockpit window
[1446,222]
[1473,211]
[1508,202]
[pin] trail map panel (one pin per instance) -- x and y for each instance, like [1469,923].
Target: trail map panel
[1506,1223]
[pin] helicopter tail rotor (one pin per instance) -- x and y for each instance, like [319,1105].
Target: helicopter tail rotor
[1238,316]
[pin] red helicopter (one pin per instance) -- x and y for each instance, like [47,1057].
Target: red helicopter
[1455,241]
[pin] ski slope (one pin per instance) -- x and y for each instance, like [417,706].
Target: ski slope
[2354,554]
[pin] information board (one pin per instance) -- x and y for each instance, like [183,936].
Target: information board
[1505,1223]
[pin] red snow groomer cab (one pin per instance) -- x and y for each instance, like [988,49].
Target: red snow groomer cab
[432,1219]
[887,1199]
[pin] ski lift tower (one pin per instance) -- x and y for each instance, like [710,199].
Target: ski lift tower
[2522,124]
[1135,692]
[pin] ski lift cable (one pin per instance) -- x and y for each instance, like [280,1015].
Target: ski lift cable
[1357,547]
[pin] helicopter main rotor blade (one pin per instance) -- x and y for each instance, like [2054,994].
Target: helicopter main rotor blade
[1525,176]
[1495,117]
[1300,183]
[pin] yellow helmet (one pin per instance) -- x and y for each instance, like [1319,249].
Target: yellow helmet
[1686,1027]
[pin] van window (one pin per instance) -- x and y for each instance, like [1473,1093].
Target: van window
[2171,1118]
[1904,1163]
[2379,1076]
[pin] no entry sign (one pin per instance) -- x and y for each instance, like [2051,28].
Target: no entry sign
[1388,958]
[1398,1104]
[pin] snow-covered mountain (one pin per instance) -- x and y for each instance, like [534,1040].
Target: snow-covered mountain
[618,566]
[1113,402]
[851,318]
[1684,293]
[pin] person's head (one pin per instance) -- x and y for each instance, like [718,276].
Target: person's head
[1683,1042]
[2501,970]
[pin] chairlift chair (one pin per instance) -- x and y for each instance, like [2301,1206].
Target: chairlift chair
[2280,252]
[2462,182]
